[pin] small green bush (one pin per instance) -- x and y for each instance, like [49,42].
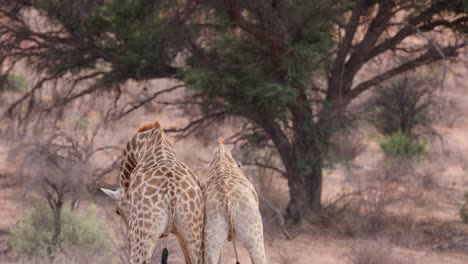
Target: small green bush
[464,209]
[32,236]
[15,82]
[399,145]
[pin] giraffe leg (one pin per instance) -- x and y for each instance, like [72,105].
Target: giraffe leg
[190,227]
[143,239]
[183,246]
[215,233]
[220,256]
[249,229]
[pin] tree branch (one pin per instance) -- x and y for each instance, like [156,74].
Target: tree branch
[431,56]
[377,26]
[194,125]
[411,28]
[137,105]
[266,166]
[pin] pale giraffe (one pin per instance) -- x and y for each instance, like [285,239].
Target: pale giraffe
[231,209]
[158,194]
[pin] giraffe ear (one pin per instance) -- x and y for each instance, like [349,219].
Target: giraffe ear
[115,195]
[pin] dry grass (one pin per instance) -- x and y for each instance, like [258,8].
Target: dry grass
[77,256]
[346,146]
[285,257]
[372,252]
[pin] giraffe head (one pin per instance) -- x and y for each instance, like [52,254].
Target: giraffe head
[123,204]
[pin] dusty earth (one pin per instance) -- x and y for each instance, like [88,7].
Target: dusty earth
[311,244]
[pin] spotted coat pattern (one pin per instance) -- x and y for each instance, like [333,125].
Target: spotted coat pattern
[231,209]
[157,190]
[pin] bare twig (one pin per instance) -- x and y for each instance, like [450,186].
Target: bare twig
[279,215]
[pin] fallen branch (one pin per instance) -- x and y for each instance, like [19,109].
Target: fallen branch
[282,222]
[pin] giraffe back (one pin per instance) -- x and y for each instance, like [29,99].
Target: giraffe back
[149,134]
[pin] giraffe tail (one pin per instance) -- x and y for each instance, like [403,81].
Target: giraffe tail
[165,255]
[172,203]
[232,233]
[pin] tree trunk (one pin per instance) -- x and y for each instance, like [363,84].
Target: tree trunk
[303,161]
[305,189]
[57,221]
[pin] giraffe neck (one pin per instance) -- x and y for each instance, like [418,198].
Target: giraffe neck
[149,145]
[128,163]
[158,148]
[224,160]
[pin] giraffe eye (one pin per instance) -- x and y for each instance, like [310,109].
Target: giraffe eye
[117,211]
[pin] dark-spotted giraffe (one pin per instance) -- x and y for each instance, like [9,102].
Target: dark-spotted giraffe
[231,209]
[158,194]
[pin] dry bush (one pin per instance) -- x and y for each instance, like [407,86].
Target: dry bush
[368,210]
[285,257]
[442,235]
[55,168]
[119,240]
[34,235]
[368,214]
[407,105]
[372,252]
[377,206]
[395,170]
[449,113]
[346,146]
[77,256]
[427,179]
[57,165]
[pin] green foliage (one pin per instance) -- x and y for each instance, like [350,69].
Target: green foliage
[32,236]
[138,37]
[345,147]
[253,77]
[464,209]
[139,30]
[399,145]
[457,6]
[14,81]
[83,123]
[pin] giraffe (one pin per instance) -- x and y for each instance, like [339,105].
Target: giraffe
[231,209]
[158,195]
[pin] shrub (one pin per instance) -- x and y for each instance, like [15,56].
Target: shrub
[464,209]
[372,253]
[405,104]
[399,145]
[346,146]
[14,81]
[33,235]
